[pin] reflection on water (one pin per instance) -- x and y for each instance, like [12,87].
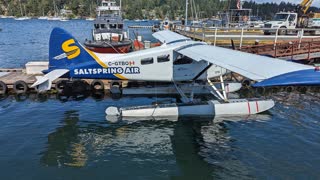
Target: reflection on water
[201,147]
[64,145]
[75,135]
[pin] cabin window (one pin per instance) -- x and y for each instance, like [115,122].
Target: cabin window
[103,26]
[146,61]
[163,58]
[96,26]
[113,26]
[120,26]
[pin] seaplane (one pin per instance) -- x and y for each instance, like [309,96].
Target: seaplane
[179,60]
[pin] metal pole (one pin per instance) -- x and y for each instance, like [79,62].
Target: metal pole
[300,38]
[276,39]
[203,33]
[186,21]
[241,38]
[215,36]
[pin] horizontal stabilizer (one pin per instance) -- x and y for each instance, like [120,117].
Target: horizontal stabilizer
[44,83]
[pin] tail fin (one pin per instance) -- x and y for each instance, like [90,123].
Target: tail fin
[65,51]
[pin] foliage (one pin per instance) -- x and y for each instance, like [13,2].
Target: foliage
[140,9]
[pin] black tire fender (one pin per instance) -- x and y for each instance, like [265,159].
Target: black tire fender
[60,85]
[20,87]
[3,88]
[97,85]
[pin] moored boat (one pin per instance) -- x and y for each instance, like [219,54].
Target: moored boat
[108,35]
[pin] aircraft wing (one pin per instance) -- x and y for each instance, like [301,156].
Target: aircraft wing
[252,66]
[168,37]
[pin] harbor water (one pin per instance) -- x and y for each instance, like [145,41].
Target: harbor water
[46,137]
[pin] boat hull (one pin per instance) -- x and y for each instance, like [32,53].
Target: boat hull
[109,47]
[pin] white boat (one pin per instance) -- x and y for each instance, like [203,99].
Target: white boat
[55,18]
[90,19]
[64,19]
[211,108]
[22,18]
[43,17]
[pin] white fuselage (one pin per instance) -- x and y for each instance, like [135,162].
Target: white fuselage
[160,64]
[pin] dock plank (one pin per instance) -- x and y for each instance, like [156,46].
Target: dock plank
[12,77]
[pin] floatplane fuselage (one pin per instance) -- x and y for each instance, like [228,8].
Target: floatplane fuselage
[67,57]
[155,64]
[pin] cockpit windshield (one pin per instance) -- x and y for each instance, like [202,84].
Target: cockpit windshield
[280,17]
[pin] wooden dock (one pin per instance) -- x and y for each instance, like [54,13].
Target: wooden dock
[10,77]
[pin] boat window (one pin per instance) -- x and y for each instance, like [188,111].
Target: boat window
[120,26]
[163,58]
[103,26]
[146,61]
[96,26]
[183,60]
[113,26]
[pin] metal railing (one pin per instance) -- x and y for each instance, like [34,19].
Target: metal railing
[213,34]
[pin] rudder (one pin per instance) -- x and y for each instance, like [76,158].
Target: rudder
[65,51]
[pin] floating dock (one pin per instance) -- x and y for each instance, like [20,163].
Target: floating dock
[19,81]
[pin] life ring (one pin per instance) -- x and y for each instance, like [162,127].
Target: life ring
[3,88]
[60,85]
[20,87]
[97,85]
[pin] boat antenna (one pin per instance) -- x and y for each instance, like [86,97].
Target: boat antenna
[120,8]
[186,21]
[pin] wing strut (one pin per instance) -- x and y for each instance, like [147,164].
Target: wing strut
[216,92]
